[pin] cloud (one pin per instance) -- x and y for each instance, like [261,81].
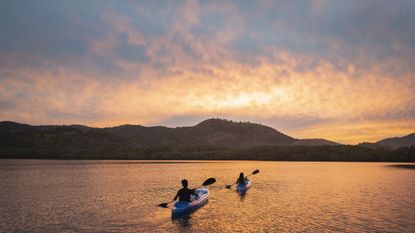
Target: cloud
[330,69]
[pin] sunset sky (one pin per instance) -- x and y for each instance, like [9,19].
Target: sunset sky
[339,70]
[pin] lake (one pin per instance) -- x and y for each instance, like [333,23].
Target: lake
[122,196]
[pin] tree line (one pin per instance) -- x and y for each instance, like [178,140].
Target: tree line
[200,152]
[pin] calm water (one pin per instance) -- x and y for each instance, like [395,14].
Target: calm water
[121,196]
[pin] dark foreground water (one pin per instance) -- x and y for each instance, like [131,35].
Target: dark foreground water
[121,196]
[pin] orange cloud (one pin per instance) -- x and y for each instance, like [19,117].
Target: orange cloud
[354,106]
[189,74]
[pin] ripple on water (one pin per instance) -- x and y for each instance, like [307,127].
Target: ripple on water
[121,196]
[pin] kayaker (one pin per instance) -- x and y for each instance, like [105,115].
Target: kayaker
[184,194]
[241,179]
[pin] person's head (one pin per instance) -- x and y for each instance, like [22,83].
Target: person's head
[241,175]
[184,183]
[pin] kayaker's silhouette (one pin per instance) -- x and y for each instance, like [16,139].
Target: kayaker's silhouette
[242,179]
[184,194]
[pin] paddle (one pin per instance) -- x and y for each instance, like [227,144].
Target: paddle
[253,173]
[206,183]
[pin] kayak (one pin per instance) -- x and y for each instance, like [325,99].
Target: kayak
[242,188]
[184,207]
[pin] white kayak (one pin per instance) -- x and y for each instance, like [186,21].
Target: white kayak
[242,188]
[184,207]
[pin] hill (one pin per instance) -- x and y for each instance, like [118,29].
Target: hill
[211,132]
[405,141]
[314,142]
[371,145]
[210,139]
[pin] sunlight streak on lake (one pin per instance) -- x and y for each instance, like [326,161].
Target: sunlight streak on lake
[121,196]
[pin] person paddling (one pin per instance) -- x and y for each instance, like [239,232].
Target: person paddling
[242,179]
[184,194]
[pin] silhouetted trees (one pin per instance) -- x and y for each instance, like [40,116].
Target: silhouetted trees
[273,153]
[209,140]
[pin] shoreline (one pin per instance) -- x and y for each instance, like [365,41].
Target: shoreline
[189,161]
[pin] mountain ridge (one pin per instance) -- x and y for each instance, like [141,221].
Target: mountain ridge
[215,130]
[79,141]
[213,139]
[396,142]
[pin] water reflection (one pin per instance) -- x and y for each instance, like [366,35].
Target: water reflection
[182,221]
[242,196]
[98,196]
[405,166]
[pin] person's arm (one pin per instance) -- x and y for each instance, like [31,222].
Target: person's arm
[177,195]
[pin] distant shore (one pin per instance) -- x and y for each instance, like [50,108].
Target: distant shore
[212,139]
[341,153]
[396,164]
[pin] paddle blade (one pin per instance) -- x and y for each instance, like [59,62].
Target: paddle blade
[163,205]
[209,181]
[255,172]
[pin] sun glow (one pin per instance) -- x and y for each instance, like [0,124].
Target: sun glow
[206,60]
